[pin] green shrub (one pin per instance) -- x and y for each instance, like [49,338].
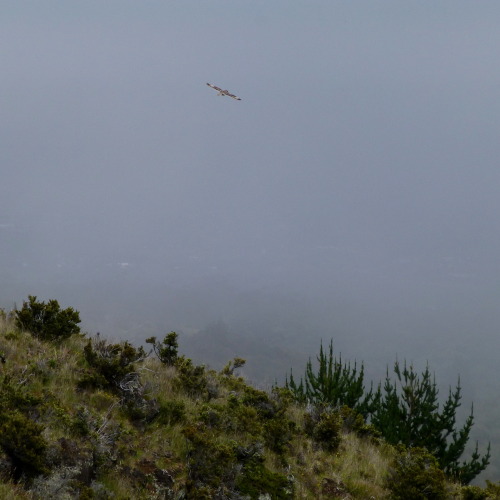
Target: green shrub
[493,489]
[474,493]
[278,432]
[415,474]
[171,412]
[256,481]
[167,350]
[324,426]
[261,401]
[210,462]
[231,417]
[233,365]
[352,421]
[16,396]
[47,321]
[334,383]
[244,419]
[327,431]
[191,378]
[407,411]
[22,441]
[109,363]
[20,436]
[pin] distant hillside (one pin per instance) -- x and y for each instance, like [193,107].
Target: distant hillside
[84,418]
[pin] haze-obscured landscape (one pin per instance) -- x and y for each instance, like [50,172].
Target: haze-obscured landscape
[351,195]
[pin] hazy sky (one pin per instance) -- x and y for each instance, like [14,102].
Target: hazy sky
[362,160]
[359,175]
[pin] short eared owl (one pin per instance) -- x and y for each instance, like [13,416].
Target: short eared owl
[223,92]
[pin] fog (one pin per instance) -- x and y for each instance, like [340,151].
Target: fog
[352,194]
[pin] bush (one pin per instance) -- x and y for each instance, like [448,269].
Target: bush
[278,433]
[22,441]
[474,493]
[352,421]
[171,412]
[260,400]
[415,474]
[324,426]
[255,481]
[210,463]
[334,383]
[408,412]
[110,363]
[191,378]
[233,365]
[167,350]
[219,469]
[493,489]
[47,321]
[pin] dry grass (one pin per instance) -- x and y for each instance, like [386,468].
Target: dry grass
[9,491]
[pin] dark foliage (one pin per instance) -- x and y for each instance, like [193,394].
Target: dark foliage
[335,384]
[233,365]
[20,435]
[220,469]
[167,350]
[210,463]
[408,413]
[415,475]
[324,426]
[171,412]
[191,378]
[47,321]
[255,480]
[21,439]
[109,364]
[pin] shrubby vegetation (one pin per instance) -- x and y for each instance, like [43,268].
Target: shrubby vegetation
[84,418]
[335,383]
[47,321]
[409,413]
[414,473]
[405,411]
[166,351]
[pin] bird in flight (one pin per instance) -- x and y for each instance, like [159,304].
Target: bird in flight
[224,92]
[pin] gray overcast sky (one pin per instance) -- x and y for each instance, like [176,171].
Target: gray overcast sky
[368,127]
[363,156]
[360,171]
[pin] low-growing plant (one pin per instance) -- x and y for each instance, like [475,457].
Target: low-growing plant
[415,474]
[167,350]
[233,365]
[352,421]
[474,493]
[191,378]
[211,463]
[256,481]
[22,441]
[493,489]
[278,433]
[47,321]
[171,412]
[16,396]
[324,426]
[261,401]
[335,383]
[109,363]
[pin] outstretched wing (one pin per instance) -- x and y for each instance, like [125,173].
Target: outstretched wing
[224,92]
[214,87]
[233,96]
